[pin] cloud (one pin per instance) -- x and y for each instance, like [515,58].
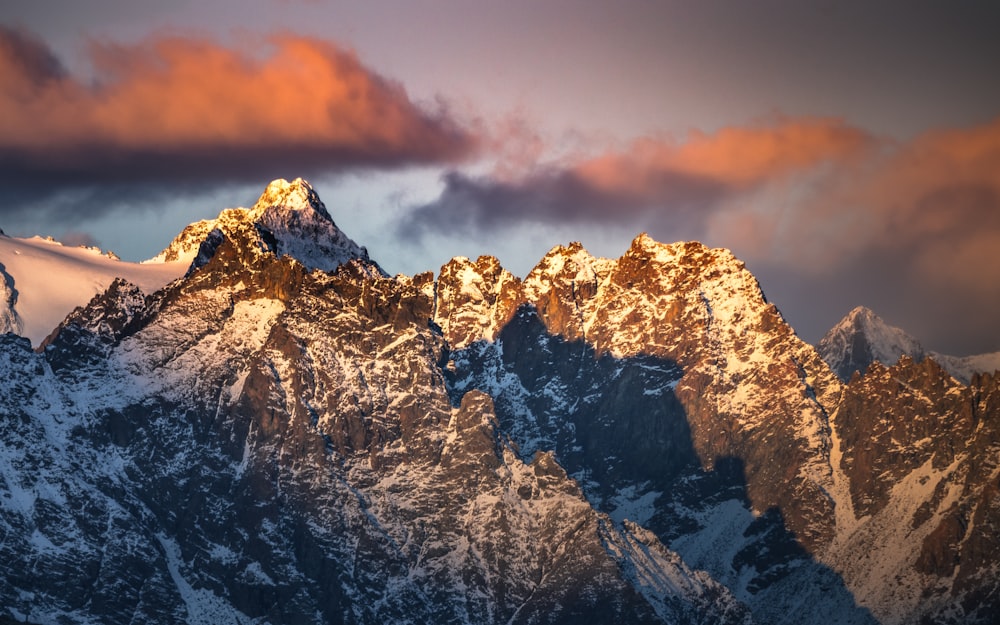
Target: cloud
[654,180]
[182,112]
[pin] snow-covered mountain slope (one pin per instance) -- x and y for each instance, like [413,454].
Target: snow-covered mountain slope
[42,281]
[632,440]
[260,443]
[862,337]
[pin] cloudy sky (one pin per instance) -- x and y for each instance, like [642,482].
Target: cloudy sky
[848,151]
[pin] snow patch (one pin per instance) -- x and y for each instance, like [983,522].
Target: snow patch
[203,606]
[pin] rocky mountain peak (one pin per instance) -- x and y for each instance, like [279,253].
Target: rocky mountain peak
[297,195]
[289,219]
[473,300]
[634,440]
[861,338]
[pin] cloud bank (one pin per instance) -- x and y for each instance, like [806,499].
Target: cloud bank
[173,112]
[654,179]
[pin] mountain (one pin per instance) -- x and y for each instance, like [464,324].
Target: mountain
[862,337]
[964,368]
[42,281]
[287,435]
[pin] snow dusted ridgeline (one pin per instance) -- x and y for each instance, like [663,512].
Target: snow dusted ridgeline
[964,368]
[279,445]
[676,395]
[632,440]
[862,337]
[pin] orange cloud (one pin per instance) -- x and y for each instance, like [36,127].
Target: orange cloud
[737,157]
[174,105]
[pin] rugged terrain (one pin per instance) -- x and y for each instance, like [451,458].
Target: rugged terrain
[287,435]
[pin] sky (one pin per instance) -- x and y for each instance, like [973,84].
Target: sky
[848,152]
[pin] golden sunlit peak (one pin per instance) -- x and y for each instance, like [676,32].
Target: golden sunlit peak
[295,195]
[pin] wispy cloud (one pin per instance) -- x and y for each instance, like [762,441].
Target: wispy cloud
[188,111]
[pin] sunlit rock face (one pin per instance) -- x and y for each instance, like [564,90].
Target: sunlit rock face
[287,435]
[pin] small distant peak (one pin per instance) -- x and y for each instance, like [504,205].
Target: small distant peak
[862,312]
[862,337]
[295,195]
[864,319]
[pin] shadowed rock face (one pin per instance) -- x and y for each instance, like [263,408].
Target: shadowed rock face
[641,440]
[722,361]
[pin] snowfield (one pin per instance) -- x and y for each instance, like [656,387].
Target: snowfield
[46,280]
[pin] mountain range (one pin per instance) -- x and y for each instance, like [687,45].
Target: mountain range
[261,426]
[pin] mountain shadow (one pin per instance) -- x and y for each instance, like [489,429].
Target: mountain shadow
[617,427]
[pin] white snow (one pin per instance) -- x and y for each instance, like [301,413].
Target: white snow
[629,504]
[876,555]
[51,279]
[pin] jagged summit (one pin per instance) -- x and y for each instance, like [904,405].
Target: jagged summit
[860,339]
[289,219]
[297,195]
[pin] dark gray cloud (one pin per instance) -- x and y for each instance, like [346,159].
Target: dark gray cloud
[476,204]
[657,180]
